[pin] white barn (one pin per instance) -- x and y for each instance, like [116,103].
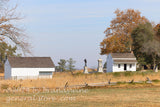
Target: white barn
[28,67]
[120,62]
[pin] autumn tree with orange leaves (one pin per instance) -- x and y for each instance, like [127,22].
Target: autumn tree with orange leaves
[118,35]
[157,31]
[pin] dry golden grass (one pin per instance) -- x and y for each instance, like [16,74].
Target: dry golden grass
[1,74]
[60,79]
[81,71]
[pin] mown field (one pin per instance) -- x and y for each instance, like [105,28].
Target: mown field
[98,97]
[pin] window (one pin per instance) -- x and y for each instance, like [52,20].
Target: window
[130,65]
[119,65]
[45,73]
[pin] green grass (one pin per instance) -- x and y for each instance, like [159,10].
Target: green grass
[130,73]
[127,73]
[156,80]
[119,82]
[119,74]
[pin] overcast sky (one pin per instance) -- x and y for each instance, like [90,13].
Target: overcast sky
[64,29]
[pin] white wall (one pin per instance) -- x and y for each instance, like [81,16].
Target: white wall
[21,73]
[29,71]
[121,69]
[133,68]
[7,70]
[116,69]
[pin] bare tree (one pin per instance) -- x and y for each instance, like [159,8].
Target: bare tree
[9,31]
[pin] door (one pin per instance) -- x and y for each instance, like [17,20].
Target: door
[125,67]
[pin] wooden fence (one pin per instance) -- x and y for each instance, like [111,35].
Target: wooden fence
[109,83]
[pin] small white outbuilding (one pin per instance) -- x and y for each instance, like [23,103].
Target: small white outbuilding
[121,62]
[28,67]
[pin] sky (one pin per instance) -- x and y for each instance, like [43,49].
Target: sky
[64,29]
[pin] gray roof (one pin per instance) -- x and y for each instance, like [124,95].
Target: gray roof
[125,61]
[123,58]
[123,55]
[31,62]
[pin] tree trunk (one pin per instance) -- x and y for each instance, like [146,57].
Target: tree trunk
[141,67]
[71,72]
[156,70]
[154,64]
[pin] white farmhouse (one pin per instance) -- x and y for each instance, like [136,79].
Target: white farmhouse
[120,62]
[28,67]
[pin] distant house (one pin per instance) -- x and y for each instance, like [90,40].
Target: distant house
[120,62]
[28,67]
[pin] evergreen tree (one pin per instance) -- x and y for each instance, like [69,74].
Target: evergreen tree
[62,65]
[71,65]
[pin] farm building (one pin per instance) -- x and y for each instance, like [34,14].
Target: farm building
[28,67]
[120,62]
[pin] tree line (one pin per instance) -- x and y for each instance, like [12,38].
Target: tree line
[130,31]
